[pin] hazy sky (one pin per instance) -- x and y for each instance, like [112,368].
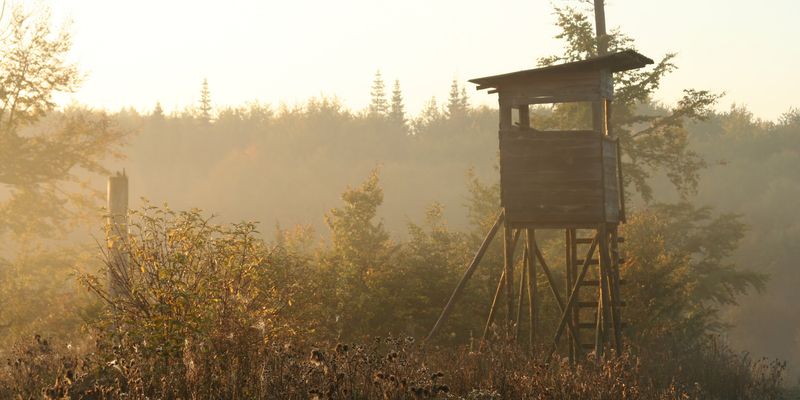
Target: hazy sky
[138,52]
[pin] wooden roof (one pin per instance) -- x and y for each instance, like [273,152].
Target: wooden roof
[615,62]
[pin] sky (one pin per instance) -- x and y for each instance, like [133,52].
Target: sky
[137,53]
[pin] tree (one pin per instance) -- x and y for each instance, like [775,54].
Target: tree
[457,102]
[41,152]
[205,102]
[430,115]
[360,249]
[378,106]
[396,114]
[36,166]
[650,142]
[158,112]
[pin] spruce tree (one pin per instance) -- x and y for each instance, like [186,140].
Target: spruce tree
[396,114]
[205,102]
[378,106]
[158,112]
[456,103]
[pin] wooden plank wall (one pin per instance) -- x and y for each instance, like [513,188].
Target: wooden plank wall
[555,177]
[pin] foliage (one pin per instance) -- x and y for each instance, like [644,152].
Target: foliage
[187,289]
[388,368]
[205,102]
[378,106]
[652,143]
[679,261]
[360,251]
[46,162]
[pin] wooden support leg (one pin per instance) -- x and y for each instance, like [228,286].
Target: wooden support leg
[573,267]
[533,299]
[500,285]
[467,274]
[616,298]
[559,301]
[603,306]
[508,270]
[521,299]
[573,297]
[568,278]
[493,309]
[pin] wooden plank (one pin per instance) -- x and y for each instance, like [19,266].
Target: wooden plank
[595,282]
[467,275]
[533,297]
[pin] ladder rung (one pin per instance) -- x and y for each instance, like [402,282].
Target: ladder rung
[595,282]
[593,304]
[591,262]
[592,325]
[620,239]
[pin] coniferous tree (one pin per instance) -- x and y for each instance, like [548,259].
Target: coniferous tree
[457,102]
[158,112]
[205,102]
[378,106]
[397,113]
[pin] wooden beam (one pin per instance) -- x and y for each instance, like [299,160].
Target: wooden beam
[530,244]
[552,283]
[500,286]
[467,275]
[524,116]
[117,231]
[572,298]
[508,269]
[520,300]
[493,308]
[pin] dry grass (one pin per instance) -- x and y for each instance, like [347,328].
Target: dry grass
[382,368]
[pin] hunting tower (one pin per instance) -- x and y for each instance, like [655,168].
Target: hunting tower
[568,180]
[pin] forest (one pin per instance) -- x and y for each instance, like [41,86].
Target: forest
[306,250]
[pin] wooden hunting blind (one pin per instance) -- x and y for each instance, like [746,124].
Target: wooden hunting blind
[566,179]
[560,178]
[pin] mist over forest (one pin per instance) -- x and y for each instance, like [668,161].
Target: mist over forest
[362,223]
[288,165]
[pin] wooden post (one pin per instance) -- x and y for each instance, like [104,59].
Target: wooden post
[521,299]
[600,27]
[603,301]
[493,308]
[506,119]
[524,116]
[533,298]
[573,296]
[599,122]
[117,229]
[508,270]
[568,286]
[500,285]
[616,298]
[467,274]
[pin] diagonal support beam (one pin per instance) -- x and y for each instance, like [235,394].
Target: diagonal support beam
[556,294]
[493,309]
[467,274]
[500,286]
[573,296]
